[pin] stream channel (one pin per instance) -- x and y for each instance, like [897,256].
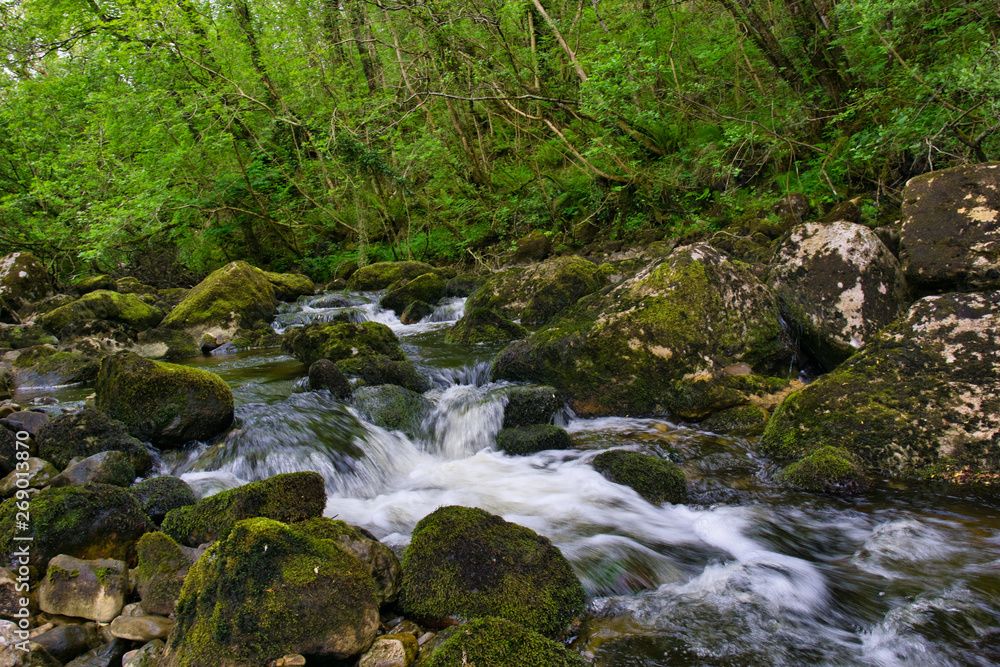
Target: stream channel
[745,573]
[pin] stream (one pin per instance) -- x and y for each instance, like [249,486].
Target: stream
[745,573]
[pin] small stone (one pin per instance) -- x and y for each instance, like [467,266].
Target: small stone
[406,627]
[391,651]
[35,656]
[65,642]
[134,609]
[426,637]
[92,589]
[290,660]
[141,628]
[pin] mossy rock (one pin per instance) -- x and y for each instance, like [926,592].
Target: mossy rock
[260,337]
[34,473]
[290,286]
[496,642]
[535,294]
[380,370]
[125,309]
[741,420]
[830,470]
[230,298]
[482,325]
[7,383]
[162,566]
[93,283]
[621,352]
[416,311]
[131,285]
[338,341]
[8,451]
[392,407]
[268,590]
[26,335]
[288,498]
[532,439]
[44,366]
[464,285]
[428,288]
[530,405]
[382,564]
[93,521]
[382,274]
[698,396]
[920,399]
[530,249]
[166,404]
[110,467]
[23,279]
[324,374]
[159,495]
[345,270]
[86,433]
[655,479]
[165,344]
[467,563]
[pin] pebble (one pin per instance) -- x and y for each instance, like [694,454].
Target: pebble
[141,628]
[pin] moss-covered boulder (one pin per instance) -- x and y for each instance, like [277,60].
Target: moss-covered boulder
[288,498]
[382,274]
[86,433]
[167,344]
[827,470]
[23,279]
[416,311]
[290,286]
[268,590]
[124,309]
[532,439]
[655,479]
[530,405]
[467,563]
[162,566]
[94,521]
[428,288]
[259,337]
[739,420]
[338,341]
[464,285]
[44,366]
[534,294]
[698,396]
[235,296]
[838,285]
[159,495]
[111,467]
[532,248]
[951,229]
[93,283]
[324,374]
[692,312]
[17,337]
[392,407]
[380,370]
[166,404]
[8,450]
[923,397]
[499,643]
[482,325]
[132,285]
[379,559]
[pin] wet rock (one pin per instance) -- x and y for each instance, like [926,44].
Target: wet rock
[230,298]
[290,286]
[468,563]
[6,383]
[111,467]
[125,309]
[85,434]
[166,404]
[23,279]
[698,396]
[655,479]
[141,628]
[287,498]
[839,285]
[531,248]
[93,283]
[44,366]
[105,655]
[463,285]
[482,325]
[693,312]
[65,642]
[530,405]
[162,566]
[827,470]
[26,420]
[951,229]
[392,407]
[147,656]
[416,311]
[740,420]
[91,589]
[496,641]
[428,288]
[339,341]
[532,439]
[165,344]
[261,336]
[8,450]
[381,370]
[11,598]
[32,474]
[237,600]
[130,285]
[379,559]
[95,521]
[27,335]
[10,656]
[391,651]
[848,210]
[382,274]
[536,293]
[922,397]
[159,495]
[324,374]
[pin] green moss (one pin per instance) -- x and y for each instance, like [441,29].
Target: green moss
[237,600]
[85,434]
[827,470]
[93,283]
[464,285]
[530,405]
[290,286]
[288,498]
[382,274]
[160,573]
[532,439]
[159,495]
[237,295]
[497,642]
[655,479]
[744,419]
[166,344]
[340,341]
[126,309]
[416,311]
[56,573]
[28,335]
[482,325]
[392,407]
[380,370]
[469,563]
[428,288]
[43,365]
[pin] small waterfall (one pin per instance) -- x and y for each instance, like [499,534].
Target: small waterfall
[465,420]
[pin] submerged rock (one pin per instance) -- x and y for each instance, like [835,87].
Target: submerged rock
[392,407]
[499,642]
[166,404]
[465,562]
[655,479]
[86,433]
[532,439]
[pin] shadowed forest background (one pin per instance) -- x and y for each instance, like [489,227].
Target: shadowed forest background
[164,138]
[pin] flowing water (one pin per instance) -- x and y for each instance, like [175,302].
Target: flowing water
[745,573]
